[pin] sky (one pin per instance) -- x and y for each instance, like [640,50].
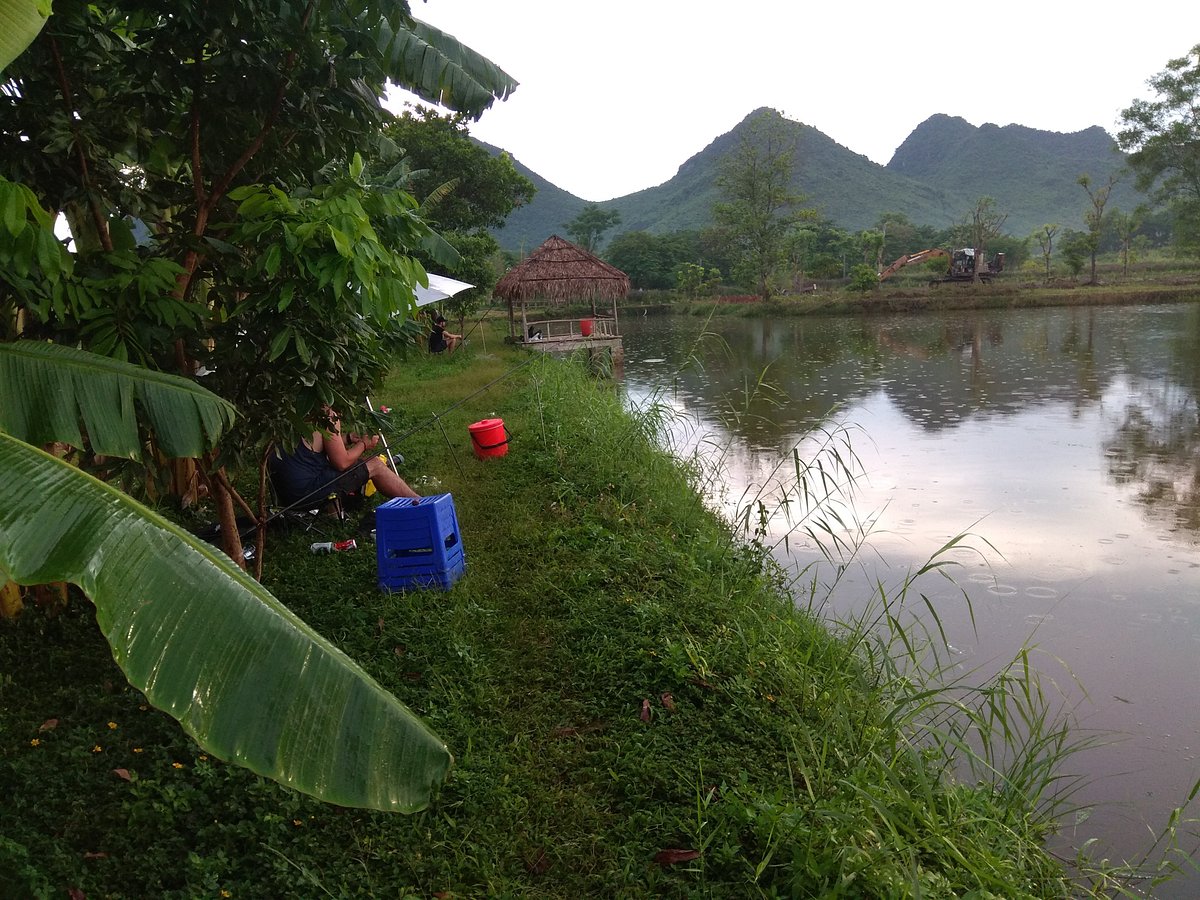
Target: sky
[615,96]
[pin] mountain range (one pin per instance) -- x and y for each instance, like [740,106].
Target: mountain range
[934,178]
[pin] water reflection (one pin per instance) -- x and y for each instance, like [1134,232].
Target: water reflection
[1069,439]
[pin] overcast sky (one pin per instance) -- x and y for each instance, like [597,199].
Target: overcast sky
[615,96]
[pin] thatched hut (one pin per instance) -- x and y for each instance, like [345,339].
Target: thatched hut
[555,273]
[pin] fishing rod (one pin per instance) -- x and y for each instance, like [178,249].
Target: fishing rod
[382,436]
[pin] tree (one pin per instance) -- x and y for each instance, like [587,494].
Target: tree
[1125,226]
[127,119]
[1095,216]
[651,260]
[1162,138]
[758,206]
[1045,239]
[983,223]
[1074,247]
[692,280]
[464,192]
[587,228]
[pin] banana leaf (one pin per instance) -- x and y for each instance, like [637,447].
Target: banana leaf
[20,23]
[437,67]
[47,390]
[247,679]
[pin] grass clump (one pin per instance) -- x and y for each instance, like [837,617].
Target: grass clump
[636,706]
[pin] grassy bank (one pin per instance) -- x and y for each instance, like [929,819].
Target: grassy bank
[634,707]
[916,294]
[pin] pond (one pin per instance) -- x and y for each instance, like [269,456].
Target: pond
[1065,441]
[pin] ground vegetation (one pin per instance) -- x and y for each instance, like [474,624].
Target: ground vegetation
[636,704]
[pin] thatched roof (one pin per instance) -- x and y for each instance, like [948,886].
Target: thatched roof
[559,271]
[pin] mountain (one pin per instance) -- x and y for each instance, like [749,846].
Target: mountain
[935,177]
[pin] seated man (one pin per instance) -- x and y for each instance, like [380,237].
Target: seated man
[329,461]
[440,339]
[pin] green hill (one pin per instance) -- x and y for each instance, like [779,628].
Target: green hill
[938,173]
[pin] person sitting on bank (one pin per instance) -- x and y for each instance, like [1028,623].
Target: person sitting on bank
[330,461]
[440,339]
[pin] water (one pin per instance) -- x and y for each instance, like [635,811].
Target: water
[1067,439]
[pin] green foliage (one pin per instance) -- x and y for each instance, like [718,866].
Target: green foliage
[692,281]
[203,641]
[482,189]
[758,207]
[863,278]
[1162,137]
[587,229]
[651,260]
[47,391]
[207,644]
[464,191]
[1075,248]
[309,298]
[20,22]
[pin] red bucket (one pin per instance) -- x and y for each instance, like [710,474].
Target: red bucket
[585,327]
[489,437]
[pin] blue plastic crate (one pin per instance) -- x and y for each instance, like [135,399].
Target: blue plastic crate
[418,544]
[404,578]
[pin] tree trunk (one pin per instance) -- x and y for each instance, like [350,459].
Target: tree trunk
[231,541]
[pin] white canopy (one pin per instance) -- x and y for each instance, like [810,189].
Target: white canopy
[440,288]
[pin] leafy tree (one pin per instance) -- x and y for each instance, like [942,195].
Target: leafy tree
[1074,247]
[1162,138]
[871,246]
[798,252]
[1125,226]
[758,206]
[125,119]
[692,281]
[863,278]
[464,191]
[1095,216]
[651,260]
[587,228]
[981,225]
[481,189]
[1045,239]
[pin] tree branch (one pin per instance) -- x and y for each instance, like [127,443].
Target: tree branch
[85,177]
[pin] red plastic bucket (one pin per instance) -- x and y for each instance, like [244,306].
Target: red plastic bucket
[489,437]
[585,327]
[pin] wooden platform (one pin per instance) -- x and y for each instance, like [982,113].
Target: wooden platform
[566,336]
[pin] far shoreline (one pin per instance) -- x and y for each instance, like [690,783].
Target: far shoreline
[916,299]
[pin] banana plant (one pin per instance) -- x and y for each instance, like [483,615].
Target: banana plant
[245,677]
[20,23]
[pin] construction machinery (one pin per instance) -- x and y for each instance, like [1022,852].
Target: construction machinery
[962,264]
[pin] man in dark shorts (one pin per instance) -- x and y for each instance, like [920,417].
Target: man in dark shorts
[440,339]
[329,461]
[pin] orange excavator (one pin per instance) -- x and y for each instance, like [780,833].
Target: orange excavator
[911,259]
[962,264]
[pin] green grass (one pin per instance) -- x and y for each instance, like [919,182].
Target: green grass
[618,675]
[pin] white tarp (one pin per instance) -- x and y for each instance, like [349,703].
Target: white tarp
[440,288]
